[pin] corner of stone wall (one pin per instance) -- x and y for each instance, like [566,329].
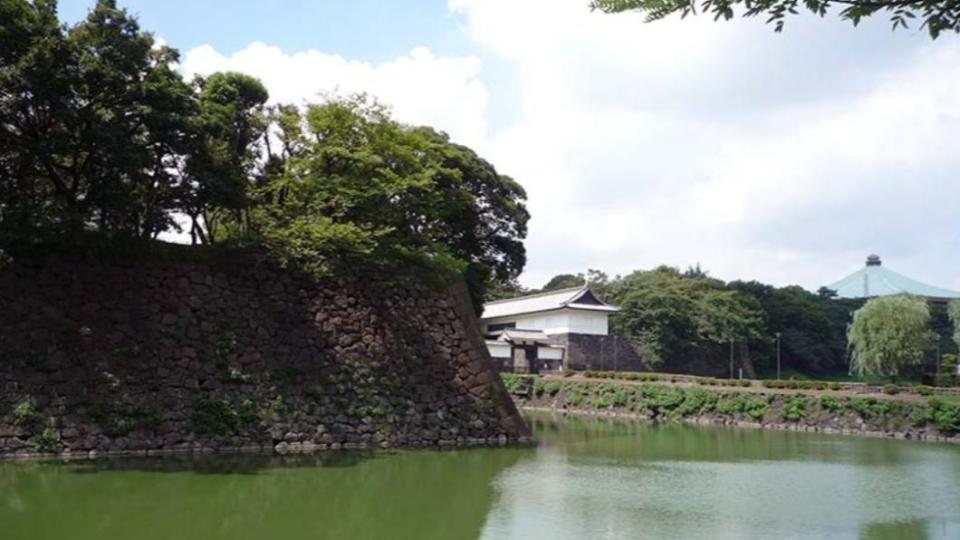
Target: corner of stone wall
[485,384]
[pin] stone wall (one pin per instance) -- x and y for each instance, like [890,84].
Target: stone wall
[620,353]
[229,353]
[604,353]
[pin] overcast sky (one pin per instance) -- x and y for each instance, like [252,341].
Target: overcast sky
[785,158]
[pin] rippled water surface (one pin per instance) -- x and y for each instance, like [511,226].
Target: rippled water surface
[587,479]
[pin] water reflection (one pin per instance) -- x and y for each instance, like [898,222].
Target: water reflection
[621,438]
[586,479]
[430,495]
[618,479]
[914,529]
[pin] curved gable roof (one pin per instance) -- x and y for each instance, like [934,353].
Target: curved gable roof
[573,298]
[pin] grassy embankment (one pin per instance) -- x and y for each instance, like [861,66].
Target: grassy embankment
[816,404]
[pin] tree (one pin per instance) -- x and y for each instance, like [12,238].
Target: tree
[93,119]
[678,315]
[564,281]
[230,126]
[99,133]
[826,293]
[888,334]
[937,15]
[953,311]
[658,308]
[812,326]
[598,281]
[726,316]
[355,183]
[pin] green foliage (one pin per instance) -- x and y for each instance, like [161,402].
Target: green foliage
[94,118]
[564,281]
[870,407]
[49,440]
[514,382]
[609,395]
[25,412]
[215,416]
[661,399]
[794,408]
[727,315]
[891,389]
[363,411]
[550,388]
[754,405]
[99,132]
[573,394]
[921,416]
[945,414]
[923,390]
[937,15]
[832,404]
[812,328]
[697,402]
[671,313]
[953,312]
[888,334]
[353,183]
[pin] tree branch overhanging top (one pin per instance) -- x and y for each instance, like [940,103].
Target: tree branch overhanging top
[937,15]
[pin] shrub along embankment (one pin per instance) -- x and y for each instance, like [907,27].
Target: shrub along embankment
[934,418]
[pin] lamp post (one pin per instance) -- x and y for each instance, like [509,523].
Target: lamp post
[778,356]
[731,358]
[936,374]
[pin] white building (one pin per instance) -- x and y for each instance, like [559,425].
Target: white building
[525,333]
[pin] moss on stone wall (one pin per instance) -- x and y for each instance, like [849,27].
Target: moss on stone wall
[136,356]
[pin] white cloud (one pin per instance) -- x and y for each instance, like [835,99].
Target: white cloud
[780,157]
[420,87]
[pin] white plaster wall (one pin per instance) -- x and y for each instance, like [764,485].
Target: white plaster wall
[564,321]
[550,353]
[498,350]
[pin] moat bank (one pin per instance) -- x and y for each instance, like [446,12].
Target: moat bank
[926,419]
[588,477]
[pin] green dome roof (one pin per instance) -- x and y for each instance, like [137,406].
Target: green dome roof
[875,280]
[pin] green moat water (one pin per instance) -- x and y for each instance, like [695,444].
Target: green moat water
[587,479]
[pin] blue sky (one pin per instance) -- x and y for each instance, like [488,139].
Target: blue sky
[376,30]
[785,158]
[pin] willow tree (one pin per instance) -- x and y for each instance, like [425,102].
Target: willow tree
[888,334]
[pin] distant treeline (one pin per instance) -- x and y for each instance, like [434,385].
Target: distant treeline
[685,315]
[100,134]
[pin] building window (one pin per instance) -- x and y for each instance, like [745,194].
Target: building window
[501,326]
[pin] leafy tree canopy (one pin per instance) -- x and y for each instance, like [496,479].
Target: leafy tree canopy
[354,183]
[888,334]
[92,121]
[812,327]
[564,281]
[672,312]
[98,132]
[953,311]
[936,15]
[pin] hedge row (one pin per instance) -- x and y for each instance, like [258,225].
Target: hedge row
[789,384]
[666,401]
